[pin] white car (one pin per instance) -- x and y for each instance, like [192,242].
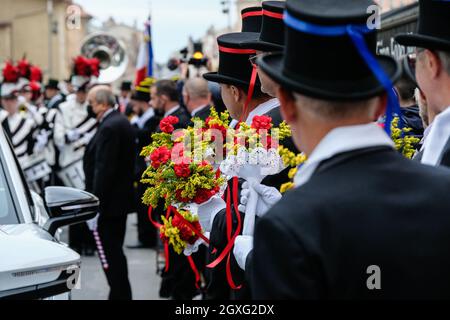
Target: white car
[33,263]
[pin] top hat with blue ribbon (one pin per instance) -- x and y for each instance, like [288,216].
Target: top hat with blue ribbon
[433,28]
[251,19]
[330,54]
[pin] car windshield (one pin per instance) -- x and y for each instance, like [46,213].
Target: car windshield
[8,212]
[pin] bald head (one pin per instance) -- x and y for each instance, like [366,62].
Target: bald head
[101,98]
[196,93]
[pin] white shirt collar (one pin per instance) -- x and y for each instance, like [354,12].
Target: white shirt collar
[106,114]
[436,138]
[263,108]
[145,117]
[340,140]
[197,110]
[168,113]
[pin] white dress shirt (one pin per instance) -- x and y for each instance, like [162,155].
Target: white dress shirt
[171,111]
[197,110]
[436,138]
[340,140]
[150,113]
[263,108]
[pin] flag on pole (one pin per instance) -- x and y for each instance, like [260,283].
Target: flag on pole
[144,65]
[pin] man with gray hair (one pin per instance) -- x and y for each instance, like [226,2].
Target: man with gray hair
[109,167]
[197,98]
[432,42]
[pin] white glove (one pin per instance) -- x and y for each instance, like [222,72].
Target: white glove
[242,247]
[41,142]
[93,223]
[73,135]
[207,211]
[134,120]
[267,197]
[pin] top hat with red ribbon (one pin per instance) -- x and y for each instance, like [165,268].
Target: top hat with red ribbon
[251,19]
[271,36]
[433,28]
[235,67]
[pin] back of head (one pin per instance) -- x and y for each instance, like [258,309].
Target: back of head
[167,88]
[197,88]
[104,95]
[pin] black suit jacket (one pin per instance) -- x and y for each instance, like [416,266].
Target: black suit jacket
[109,163]
[360,209]
[143,139]
[203,114]
[218,287]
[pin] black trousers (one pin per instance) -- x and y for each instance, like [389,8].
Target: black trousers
[81,238]
[112,234]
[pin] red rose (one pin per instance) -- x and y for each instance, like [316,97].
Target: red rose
[262,122]
[202,196]
[180,198]
[208,120]
[166,124]
[182,170]
[159,157]
[186,233]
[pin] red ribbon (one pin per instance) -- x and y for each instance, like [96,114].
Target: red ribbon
[227,251]
[252,14]
[195,270]
[190,226]
[158,226]
[236,51]
[273,14]
[251,89]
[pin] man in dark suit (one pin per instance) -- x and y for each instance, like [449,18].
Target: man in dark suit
[165,99]
[197,98]
[145,123]
[109,167]
[432,43]
[360,223]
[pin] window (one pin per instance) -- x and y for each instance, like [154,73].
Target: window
[8,211]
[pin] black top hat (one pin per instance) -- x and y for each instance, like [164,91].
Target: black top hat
[271,37]
[251,19]
[321,59]
[142,91]
[433,29]
[125,86]
[52,84]
[235,67]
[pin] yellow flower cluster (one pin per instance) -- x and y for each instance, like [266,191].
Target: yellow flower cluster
[290,159]
[404,143]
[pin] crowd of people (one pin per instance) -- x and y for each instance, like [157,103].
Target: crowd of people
[358,203]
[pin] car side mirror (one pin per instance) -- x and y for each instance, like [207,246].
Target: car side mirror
[68,206]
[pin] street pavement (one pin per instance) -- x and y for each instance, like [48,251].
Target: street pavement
[141,270]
